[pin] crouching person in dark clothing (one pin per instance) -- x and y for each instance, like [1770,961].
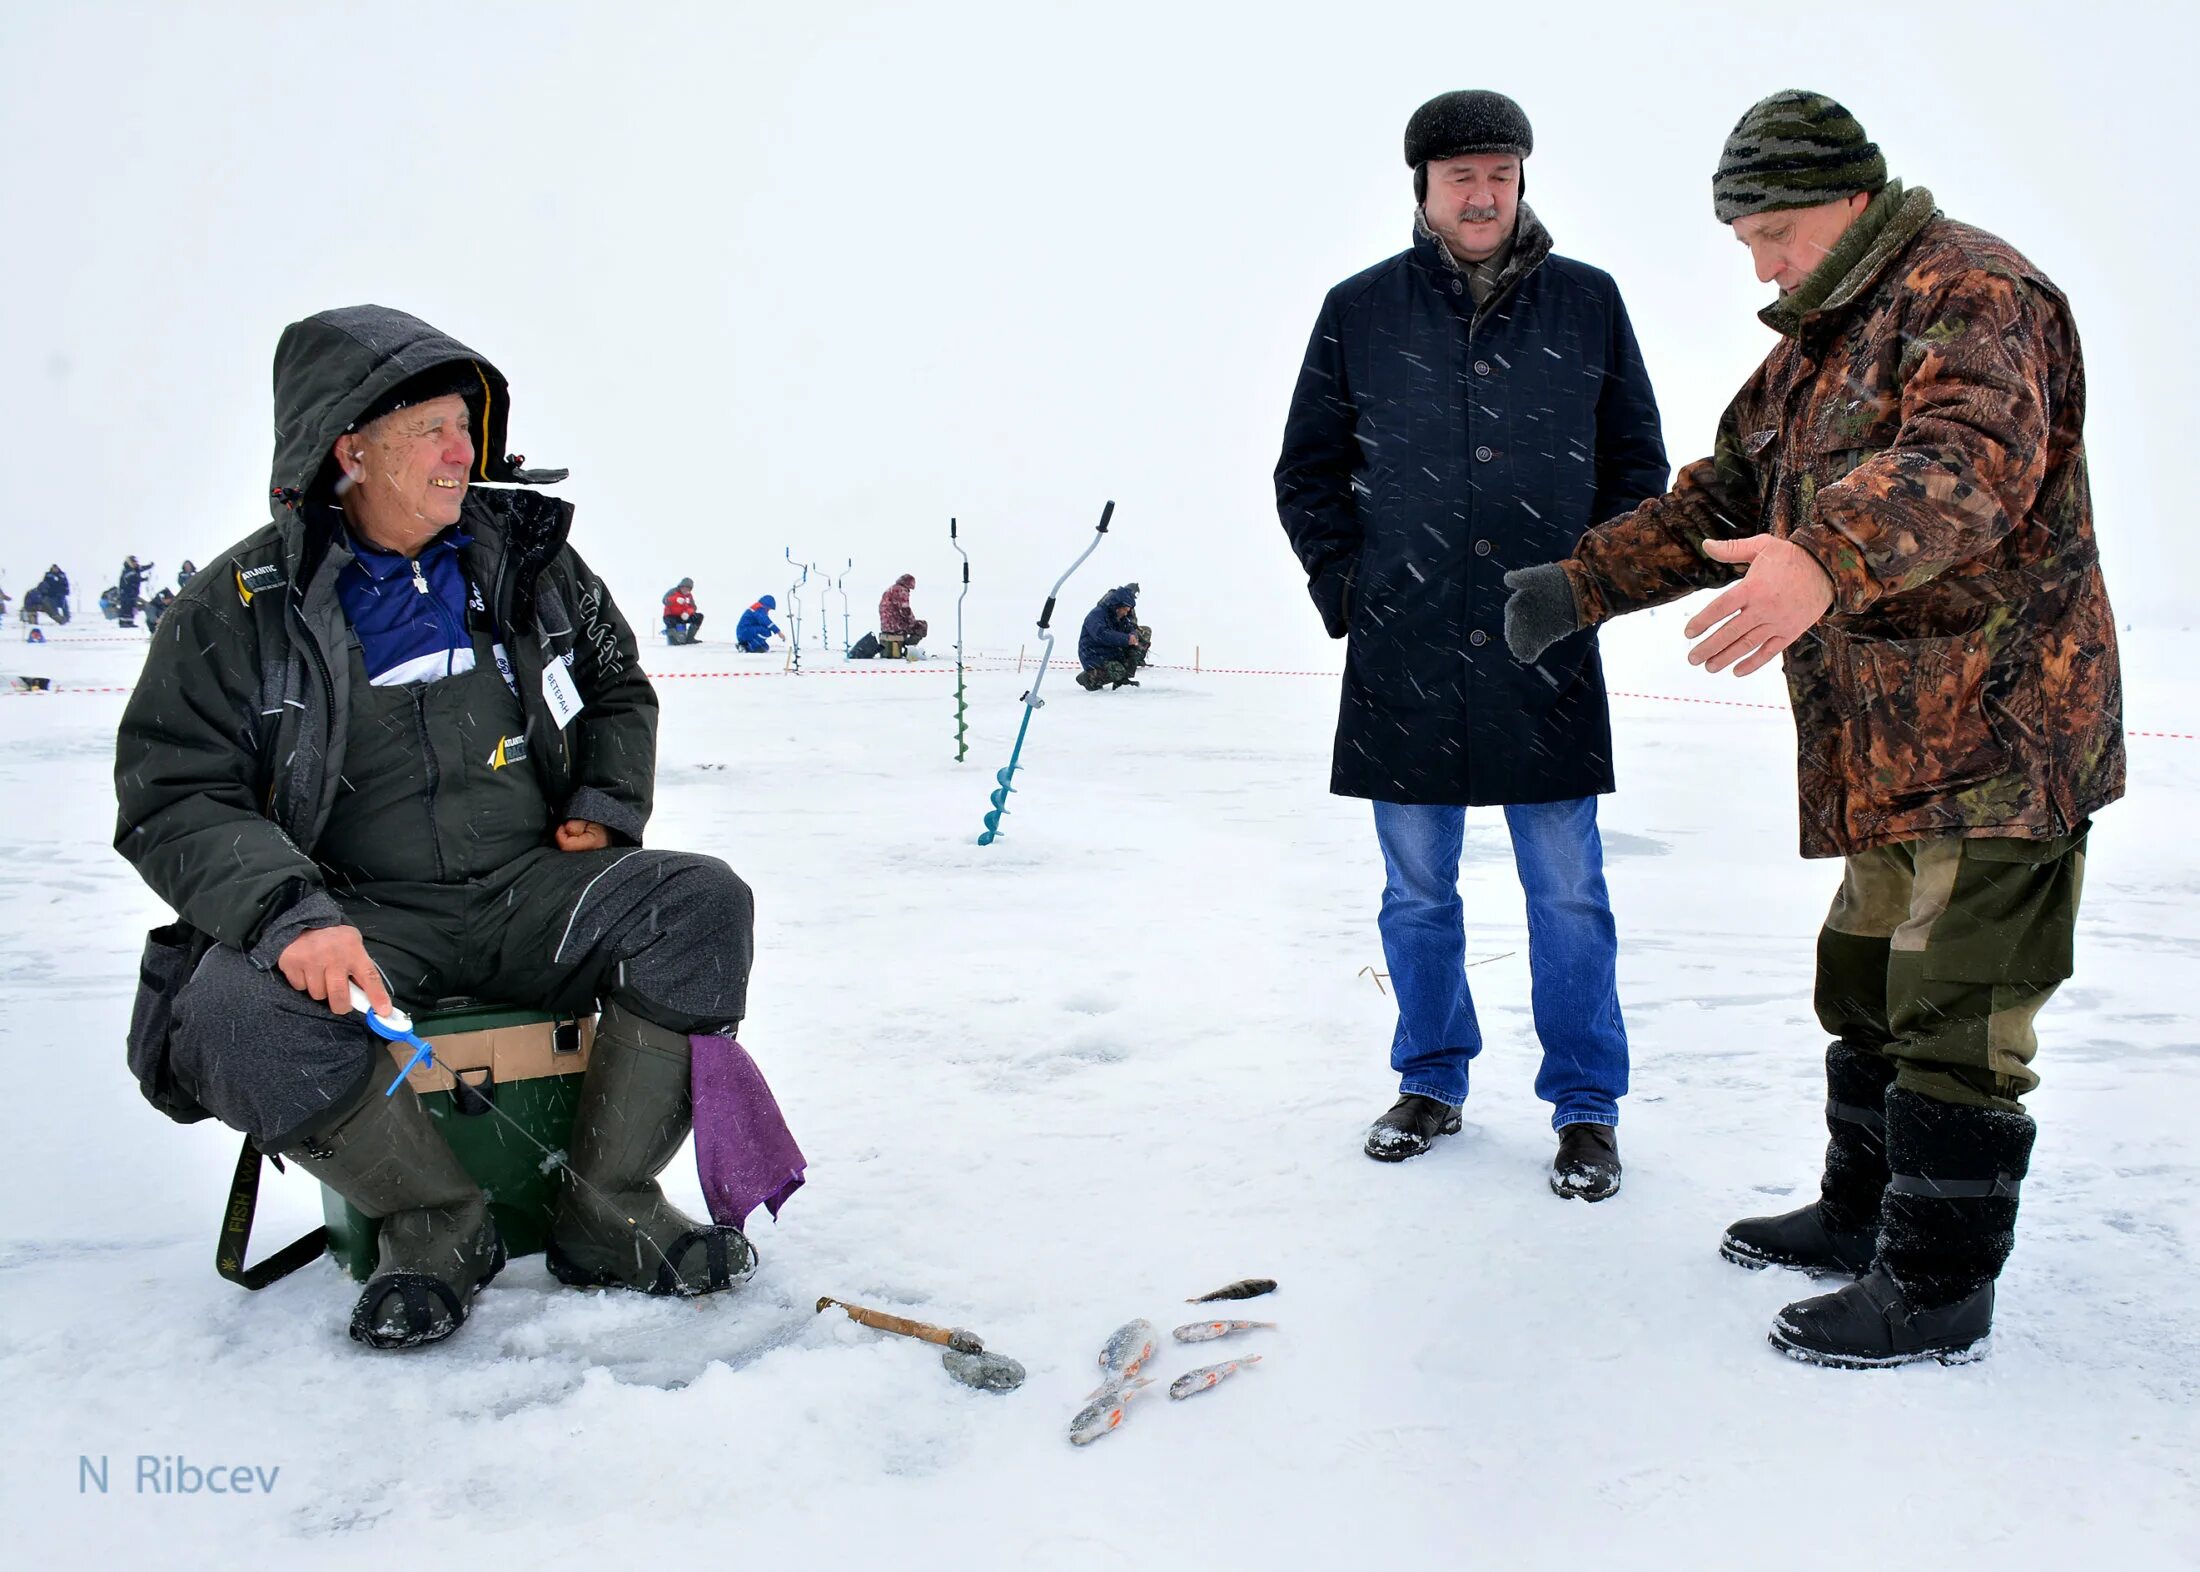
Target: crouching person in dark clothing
[401,740]
[1113,644]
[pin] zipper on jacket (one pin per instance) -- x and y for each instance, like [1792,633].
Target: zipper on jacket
[328,696]
[435,778]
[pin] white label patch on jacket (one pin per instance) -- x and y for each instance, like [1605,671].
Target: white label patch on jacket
[509,750]
[558,691]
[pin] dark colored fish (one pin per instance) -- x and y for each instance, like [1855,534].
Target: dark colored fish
[1243,1288]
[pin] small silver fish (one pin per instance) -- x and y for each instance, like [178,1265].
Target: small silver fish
[1127,1350]
[1104,1412]
[1193,1382]
[1208,1331]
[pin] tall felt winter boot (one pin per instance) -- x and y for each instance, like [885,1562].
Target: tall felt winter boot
[1947,1224]
[439,1244]
[1837,1233]
[614,1227]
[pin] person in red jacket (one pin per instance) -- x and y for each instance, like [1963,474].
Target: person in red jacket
[682,620]
[894,619]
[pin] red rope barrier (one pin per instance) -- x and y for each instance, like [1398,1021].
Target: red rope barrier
[943,668]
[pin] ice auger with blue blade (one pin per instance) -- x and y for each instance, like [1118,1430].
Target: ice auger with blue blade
[1032,701]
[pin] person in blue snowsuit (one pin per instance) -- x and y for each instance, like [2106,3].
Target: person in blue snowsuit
[49,595]
[1112,645]
[755,631]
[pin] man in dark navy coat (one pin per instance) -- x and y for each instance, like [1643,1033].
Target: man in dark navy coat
[1473,404]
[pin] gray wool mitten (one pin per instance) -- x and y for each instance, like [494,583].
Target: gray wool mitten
[1541,610]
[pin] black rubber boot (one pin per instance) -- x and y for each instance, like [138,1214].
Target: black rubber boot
[439,1245]
[614,1227]
[1947,1225]
[1410,1128]
[1587,1165]
[1837,1233]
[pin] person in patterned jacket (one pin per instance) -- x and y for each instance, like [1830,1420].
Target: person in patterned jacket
[895,619]
[1902,487]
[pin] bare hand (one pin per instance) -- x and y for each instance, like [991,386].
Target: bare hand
[325,962]
[1784,592]
[579,835]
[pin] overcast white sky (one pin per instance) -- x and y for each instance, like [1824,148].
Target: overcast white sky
[820,276]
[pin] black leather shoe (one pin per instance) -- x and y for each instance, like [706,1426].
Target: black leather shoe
[1800,1239]
[1587,1165]
[1871,1324]
[1410,1128]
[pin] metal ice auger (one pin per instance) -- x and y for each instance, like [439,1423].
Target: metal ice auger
[962,729]
[1032,701]
[794,617]
[841,584]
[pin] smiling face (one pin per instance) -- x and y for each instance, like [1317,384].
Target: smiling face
[1788,245]
[405,475]
[1472,202]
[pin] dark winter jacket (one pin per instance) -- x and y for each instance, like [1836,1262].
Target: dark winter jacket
[1919,429]
[1431,447]
[131,580]
[231,747]
[1105,636]
[756,623]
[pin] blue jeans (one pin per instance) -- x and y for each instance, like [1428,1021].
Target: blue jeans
[1573,954]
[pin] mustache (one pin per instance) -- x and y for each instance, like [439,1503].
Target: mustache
[1478,215]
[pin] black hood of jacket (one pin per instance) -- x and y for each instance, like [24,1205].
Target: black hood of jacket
[335,365]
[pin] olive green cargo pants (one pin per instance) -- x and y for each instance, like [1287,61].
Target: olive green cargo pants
[1938,954]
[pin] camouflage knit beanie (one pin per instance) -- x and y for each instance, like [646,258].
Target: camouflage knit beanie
[1794,149]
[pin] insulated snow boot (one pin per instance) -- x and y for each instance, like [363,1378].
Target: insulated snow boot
[1947,1225]
[1871,1324]
[1410,1128]
[1587,1164]
[614,1227]
[1799,1239]
[1837,1233]
[439,1245]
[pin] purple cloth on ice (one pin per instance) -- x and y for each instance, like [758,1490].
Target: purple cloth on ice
[744,1153]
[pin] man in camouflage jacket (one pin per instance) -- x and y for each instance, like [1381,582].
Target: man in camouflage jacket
[1904,479]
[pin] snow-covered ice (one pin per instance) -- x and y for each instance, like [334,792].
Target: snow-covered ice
[1115,1060]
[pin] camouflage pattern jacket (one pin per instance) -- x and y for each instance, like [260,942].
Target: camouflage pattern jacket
[1919,431]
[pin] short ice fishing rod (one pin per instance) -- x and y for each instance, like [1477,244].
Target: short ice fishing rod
[1032,701]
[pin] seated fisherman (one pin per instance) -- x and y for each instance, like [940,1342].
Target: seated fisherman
[755,631]
[401,739]
[1112,645]
[682,621]
[896,622]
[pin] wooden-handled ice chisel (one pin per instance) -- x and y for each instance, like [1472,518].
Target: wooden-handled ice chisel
[965,1358]
[879,1321]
